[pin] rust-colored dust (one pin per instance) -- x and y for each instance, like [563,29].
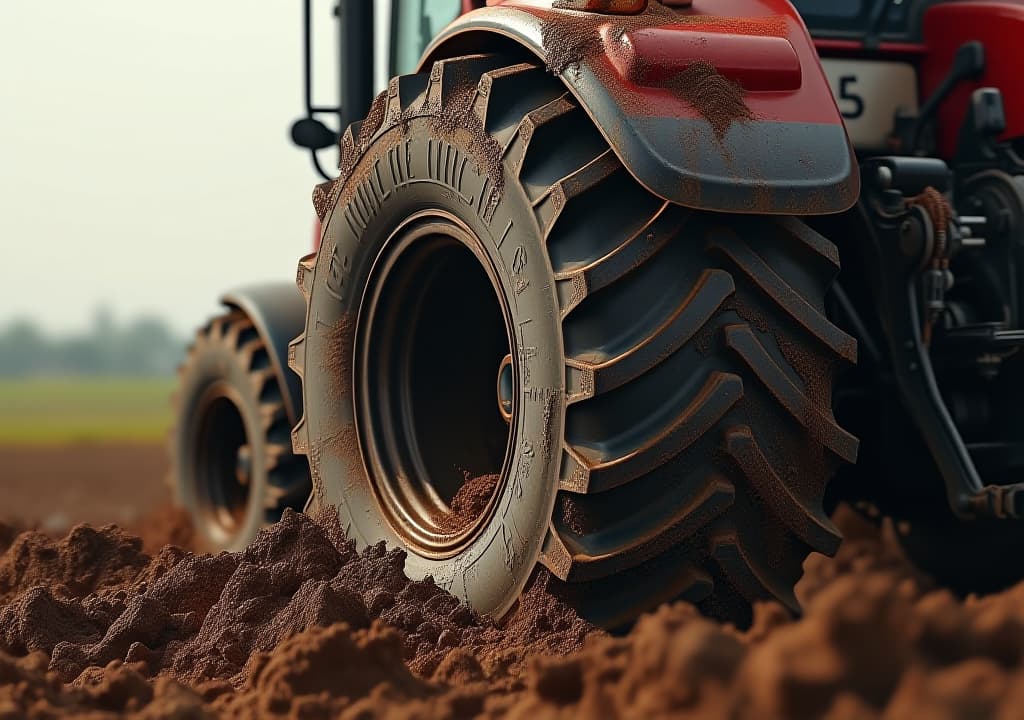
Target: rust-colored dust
[336,358]
[718,99]
[459,114]
[570,39]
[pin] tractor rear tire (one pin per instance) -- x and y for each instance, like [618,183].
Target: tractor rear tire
[232,468]
[669,432]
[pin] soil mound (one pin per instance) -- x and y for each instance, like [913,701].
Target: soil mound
[219,622]
[86,561]
[300,624]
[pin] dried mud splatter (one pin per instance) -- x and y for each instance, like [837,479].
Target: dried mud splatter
[718,99]
[459,113]
[570,39]
[336,357]
[301,625]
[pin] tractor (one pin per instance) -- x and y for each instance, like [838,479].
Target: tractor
[575,301]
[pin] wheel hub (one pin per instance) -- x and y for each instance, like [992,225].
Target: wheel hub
[221,461]
[505,384]
[433,325]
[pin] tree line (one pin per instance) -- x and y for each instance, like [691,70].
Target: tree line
[143,347]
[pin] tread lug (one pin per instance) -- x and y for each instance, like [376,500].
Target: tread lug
[790,301]
[809,524]
[639,537]
[595,473]
[818,422]
[703,302]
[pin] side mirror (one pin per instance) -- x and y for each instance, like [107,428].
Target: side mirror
[310,133]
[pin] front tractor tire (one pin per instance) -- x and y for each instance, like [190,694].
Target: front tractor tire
[232,468]
[516,355]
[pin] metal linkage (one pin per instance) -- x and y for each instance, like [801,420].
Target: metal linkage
[914,233]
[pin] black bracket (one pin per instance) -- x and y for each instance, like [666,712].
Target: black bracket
[978,147]
[900,240]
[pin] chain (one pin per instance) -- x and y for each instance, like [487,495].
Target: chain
[937,207]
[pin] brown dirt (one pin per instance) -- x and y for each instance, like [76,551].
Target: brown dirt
[301,625]
[718,99]
[52,487]
[469,501]
[166,525]
[458,115]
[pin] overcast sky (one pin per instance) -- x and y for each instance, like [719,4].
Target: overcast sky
[144,159]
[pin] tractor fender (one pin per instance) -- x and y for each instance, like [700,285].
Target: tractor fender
[278,312]
[728,112]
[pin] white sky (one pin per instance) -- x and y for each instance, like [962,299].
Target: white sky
[144,155]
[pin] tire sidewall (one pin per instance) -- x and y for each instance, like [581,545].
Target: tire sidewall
[213,363]
[393,181]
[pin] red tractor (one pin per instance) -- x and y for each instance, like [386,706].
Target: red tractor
[575,300]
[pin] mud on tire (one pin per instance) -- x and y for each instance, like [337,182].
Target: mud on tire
[232,467]
[672,433]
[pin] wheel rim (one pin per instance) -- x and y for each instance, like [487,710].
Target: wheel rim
[432,341]
[221,462]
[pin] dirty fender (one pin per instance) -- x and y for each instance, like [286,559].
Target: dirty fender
[278,312]
[728,112]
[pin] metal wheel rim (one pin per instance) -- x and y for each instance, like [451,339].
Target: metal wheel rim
[408,495]
[218,437]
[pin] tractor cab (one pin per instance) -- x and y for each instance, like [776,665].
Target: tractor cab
[870,51]
[864,22]
[903,71]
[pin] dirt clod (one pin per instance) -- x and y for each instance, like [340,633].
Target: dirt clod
[87,560]
[469,501]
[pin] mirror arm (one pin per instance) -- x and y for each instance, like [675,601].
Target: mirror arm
[355,44]
[307,42]
[307,59]
[316,165]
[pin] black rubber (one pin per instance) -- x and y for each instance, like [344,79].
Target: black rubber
[229,359]
[980,556]
[685,446]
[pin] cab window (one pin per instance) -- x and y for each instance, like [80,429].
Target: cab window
[858,18]
[414,23]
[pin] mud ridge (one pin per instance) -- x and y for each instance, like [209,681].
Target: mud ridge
[301,624]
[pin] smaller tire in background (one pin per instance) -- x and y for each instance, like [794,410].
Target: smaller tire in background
[232,467]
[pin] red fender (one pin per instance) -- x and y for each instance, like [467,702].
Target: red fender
[719,106]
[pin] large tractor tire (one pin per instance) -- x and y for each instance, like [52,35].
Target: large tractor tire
[516,355]
[232,468]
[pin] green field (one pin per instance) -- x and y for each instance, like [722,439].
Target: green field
[57,411]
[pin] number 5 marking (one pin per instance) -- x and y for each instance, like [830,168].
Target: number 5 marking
[845,94]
